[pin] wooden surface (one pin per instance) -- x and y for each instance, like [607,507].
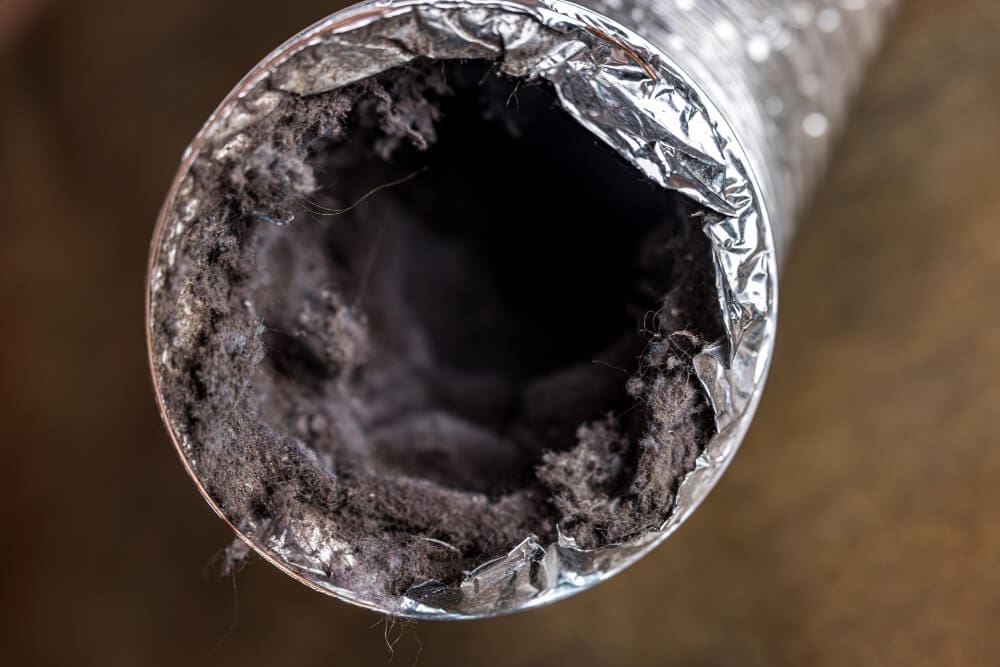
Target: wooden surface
[858,525]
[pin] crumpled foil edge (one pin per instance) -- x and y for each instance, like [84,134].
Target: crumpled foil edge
[636,100]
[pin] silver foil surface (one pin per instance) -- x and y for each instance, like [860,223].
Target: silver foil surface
[730,102]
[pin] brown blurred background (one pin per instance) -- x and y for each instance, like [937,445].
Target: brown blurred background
[858,525]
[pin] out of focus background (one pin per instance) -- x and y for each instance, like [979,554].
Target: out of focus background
[859,525]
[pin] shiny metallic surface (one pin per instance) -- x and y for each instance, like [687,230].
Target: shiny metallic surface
[782,72]
[730,102]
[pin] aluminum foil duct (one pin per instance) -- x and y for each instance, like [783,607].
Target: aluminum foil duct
[732,103]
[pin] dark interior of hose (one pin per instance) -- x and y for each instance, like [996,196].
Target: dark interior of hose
[433,315]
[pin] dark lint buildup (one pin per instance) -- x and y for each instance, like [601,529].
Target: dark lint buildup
[428,315]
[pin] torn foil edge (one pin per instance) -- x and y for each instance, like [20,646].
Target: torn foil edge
[635,99]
